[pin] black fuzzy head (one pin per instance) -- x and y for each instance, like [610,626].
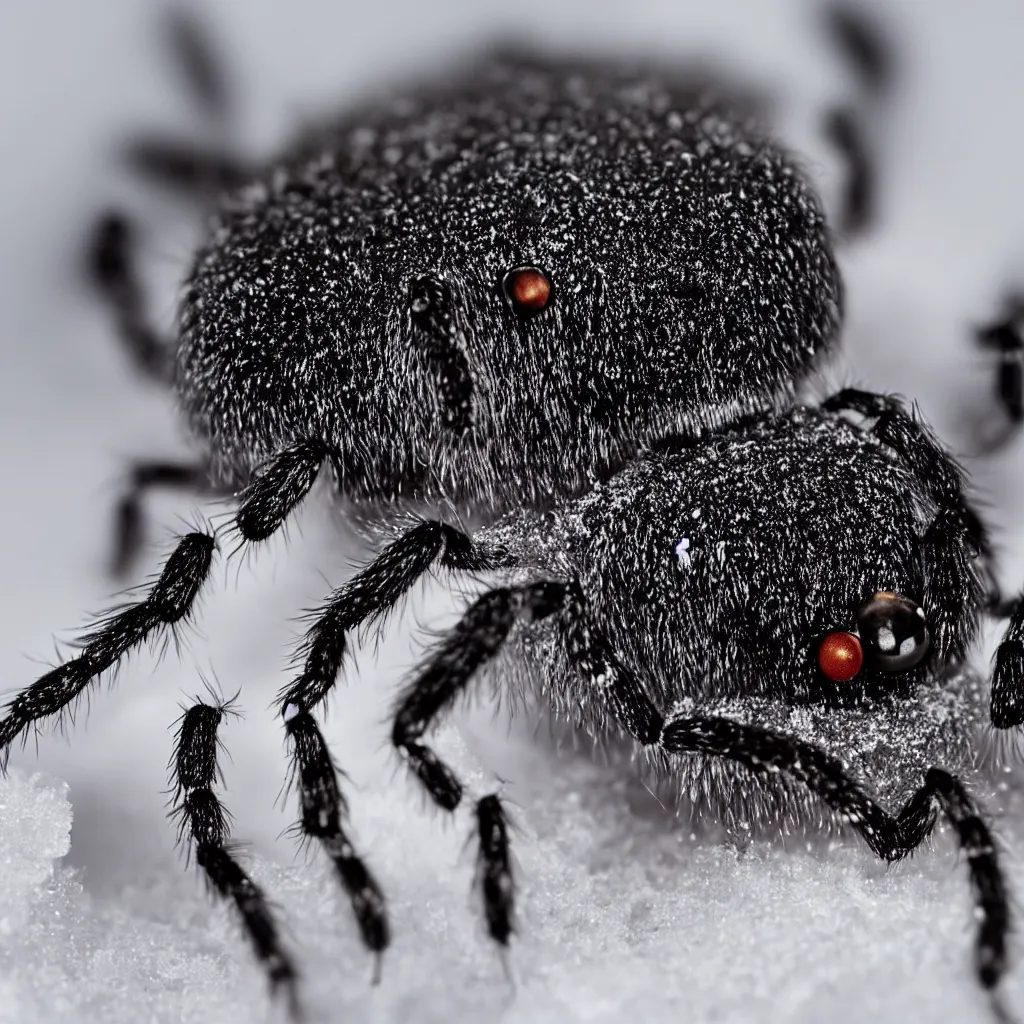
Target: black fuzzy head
[355,291]
[716,569]
[721,566]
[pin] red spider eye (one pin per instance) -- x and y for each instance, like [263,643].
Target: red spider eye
[528,289]
[840,656]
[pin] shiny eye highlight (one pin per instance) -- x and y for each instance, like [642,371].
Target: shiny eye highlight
[528,289]
[893,632]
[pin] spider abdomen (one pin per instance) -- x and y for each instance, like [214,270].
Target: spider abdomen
[356,290]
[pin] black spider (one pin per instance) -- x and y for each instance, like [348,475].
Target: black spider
[570,303]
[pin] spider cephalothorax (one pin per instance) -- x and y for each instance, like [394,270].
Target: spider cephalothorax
[721,570]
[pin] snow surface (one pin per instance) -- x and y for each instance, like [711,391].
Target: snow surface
[624,912]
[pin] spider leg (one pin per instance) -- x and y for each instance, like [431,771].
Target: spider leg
[277,488]
[847,126]
[112,269]
[367,596]
[198,170]
[204,824]
[475,640]
[844,129]
[169,601]
[912,440]
[323,810]
[1008,673]
[891,837]
[862,44]
[264,504]
[128,517]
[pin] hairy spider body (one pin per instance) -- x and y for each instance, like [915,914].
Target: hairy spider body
[714,569]
[692,604]
[571,304]
[353,292]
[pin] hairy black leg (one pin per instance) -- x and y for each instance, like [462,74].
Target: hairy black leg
[277,488]
[846,127]
[474,641]
[169,601]
[891,837]
[323,809]
[369,596]
[112,256]
[915,444]
[1008,674]
[494,867]
[112,259]
[265,503]
[203,824]
[956,537]
[1006,340]
[128,519]
[366,597]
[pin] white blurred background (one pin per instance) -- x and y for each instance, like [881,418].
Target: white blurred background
[622,912]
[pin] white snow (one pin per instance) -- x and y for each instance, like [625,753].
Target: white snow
[623,913]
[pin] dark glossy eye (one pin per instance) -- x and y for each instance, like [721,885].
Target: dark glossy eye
[893,632]
[528,289]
